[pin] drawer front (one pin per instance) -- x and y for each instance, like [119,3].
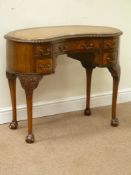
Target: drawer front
[109,57]
[111,43]
[42,50]
[44,66]
[76,45]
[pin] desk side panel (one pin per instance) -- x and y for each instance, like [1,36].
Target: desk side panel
[19,57]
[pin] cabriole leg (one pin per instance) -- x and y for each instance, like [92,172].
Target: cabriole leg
[88,90]
[115,72]
[12,85]
[29,82]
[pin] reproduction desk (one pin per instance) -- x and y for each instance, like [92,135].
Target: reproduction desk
[31,54]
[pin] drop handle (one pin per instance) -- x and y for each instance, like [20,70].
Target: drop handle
[42,52]
[46,53]
[44,66]
[88,46]
[109,60]
[62,48]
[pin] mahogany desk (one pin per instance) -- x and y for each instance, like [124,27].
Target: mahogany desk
[31,54]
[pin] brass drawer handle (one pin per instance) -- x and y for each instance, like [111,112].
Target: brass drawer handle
[91,44]
[109,60]
[88,45]
[44,66]
[62,48]
[109,46]
[42,52]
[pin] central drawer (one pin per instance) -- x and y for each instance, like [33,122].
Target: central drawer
[76,45]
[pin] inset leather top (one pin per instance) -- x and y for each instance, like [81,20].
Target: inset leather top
[44,34]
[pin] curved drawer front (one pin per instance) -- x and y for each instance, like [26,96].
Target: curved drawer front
[76,45]
[110,50]
[44,66]
[111,43]
[43,57]
[42,50]
[110,57]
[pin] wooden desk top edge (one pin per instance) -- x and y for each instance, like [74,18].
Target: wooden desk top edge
[54,33]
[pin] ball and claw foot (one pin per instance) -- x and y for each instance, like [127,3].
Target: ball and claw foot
[30,138]
[13,125]
[115,122]
[87,111]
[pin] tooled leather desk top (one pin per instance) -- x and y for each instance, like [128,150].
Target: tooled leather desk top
[41,34]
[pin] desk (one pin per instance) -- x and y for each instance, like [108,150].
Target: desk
[31,54]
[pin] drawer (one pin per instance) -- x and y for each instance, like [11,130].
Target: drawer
[42,50]
[76,45]
[109,57]
[44,66]
[110,43]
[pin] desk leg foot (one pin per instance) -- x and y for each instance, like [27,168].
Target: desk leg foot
[30,138]
[87,112]
[29,82]
[115,122]
[13,125]
[12,85]
[115,72]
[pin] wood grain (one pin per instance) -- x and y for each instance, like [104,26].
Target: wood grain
[32,53]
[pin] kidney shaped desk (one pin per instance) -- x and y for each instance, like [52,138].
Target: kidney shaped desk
[31,54]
